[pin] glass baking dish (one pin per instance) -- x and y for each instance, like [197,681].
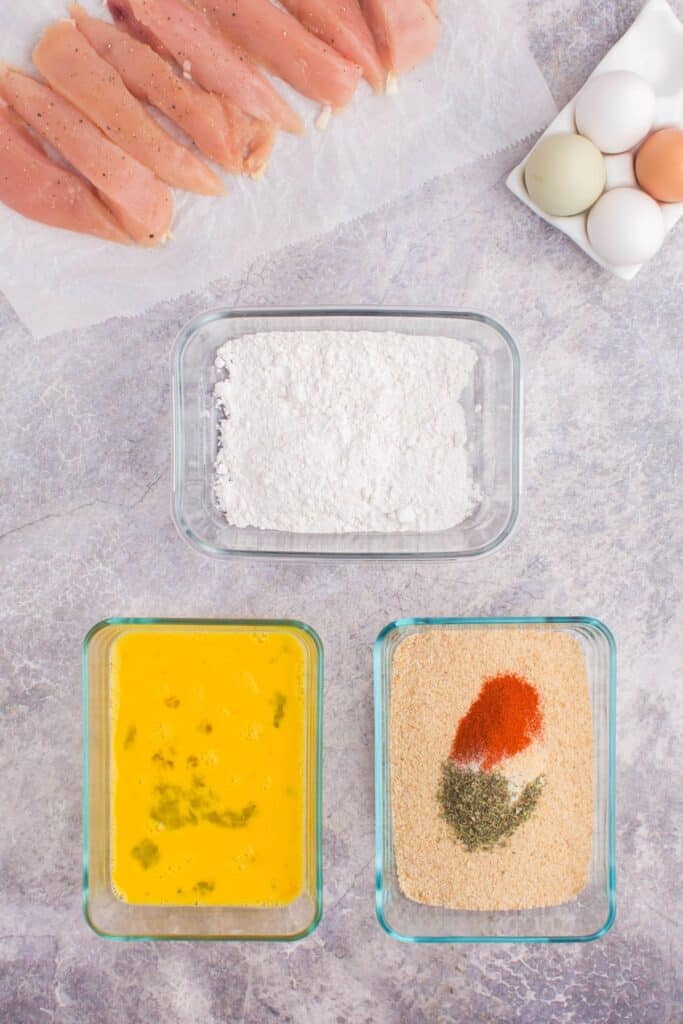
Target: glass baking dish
[592,913]
[105,912]
[492,409]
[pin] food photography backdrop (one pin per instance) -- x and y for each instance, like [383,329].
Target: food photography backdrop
[86,530]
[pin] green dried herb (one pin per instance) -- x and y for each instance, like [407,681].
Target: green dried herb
[146,853]
[204,887]
[162,760]
[130,738]
[279,700]
[177,806]
[479,806]
[173,807]
[232,819]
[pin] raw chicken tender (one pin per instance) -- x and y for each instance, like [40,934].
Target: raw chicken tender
[142,203]
[283,46]
[42,190]
[405,31]
[208,57]
[74,69]
[341,24]
[234,140]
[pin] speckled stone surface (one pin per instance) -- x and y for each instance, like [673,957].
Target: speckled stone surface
[85,532]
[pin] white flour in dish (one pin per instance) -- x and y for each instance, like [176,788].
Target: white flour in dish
[334,432]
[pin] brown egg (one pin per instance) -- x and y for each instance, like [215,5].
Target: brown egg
[659,165]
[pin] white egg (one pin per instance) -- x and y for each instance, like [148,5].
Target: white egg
[615,110]
[626,227]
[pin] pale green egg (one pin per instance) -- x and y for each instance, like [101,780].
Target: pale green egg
[565,174]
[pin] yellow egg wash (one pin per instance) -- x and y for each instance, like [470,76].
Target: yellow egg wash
[208,738]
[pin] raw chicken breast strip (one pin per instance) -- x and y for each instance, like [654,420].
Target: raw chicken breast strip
[141,203]
[341,24]
[122,13]
[233,142]
[283,46]
[212,61]
[40,189]
[73,68]
[405,31]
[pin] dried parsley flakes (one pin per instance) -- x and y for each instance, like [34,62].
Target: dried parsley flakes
[480,807]
[279,700]
[146,853]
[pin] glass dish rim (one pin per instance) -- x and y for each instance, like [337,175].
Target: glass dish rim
[515,620]
[184,336]
[318,866]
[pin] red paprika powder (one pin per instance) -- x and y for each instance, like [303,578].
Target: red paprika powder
[502,721]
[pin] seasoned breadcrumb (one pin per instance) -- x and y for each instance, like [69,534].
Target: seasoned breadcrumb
[436,674]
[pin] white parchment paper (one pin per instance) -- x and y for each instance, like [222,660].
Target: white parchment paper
[481,91]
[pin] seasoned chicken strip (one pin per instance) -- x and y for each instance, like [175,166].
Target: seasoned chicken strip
[231,139]
[209,58]
[405,31]
[38,188]
[122,13]
[341,24]
[73,68]
[283,46]
[141,203]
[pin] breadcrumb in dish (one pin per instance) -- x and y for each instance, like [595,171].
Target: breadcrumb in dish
[435,677]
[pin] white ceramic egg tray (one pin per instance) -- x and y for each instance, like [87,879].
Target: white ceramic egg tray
[653,48]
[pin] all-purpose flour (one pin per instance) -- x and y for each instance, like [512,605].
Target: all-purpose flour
[332,432]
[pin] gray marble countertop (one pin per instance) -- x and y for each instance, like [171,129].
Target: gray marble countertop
[85,532]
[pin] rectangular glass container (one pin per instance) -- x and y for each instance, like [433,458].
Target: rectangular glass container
[492,408]
[105,912]
[592,913]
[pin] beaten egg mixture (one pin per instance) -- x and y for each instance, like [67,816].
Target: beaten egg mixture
[208,737]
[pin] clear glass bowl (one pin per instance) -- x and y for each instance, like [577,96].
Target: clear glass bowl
[492,409]
[108,915]
[592,913]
